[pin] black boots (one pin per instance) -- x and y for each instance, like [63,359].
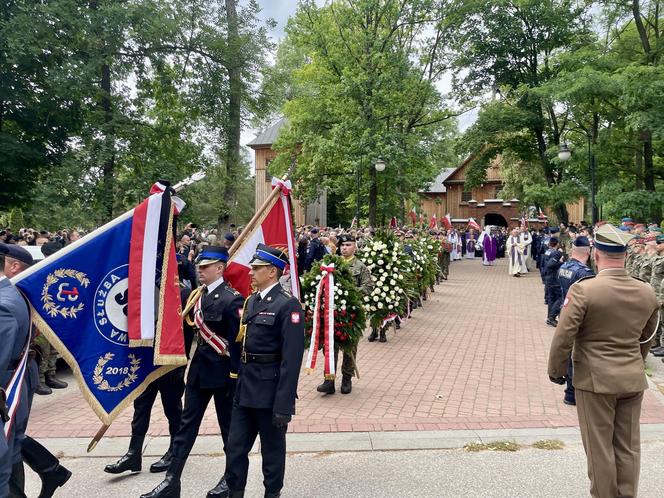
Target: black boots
[220,490]
[54,383]
[163,463]
[272,495]
[382,336]
[43,389]
[52,480]
[170,486]
[46,465]
[327,387]
[373,336]
[346,384]
[132,460]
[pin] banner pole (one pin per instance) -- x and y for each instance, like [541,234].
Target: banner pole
[100,434]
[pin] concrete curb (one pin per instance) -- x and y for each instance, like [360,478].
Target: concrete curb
[342,441]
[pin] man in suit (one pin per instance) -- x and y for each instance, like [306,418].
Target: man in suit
[39,459]
[213,371]
[272,349]
[14,336]
[608,322]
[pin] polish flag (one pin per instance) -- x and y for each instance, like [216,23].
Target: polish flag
[473,224]
[153,288]
[272,226]
[433,222]
[447,222]
[413,215]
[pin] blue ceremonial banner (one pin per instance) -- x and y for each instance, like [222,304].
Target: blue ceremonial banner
[79,300]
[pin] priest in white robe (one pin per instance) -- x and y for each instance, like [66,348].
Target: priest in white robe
[526,241]
[515,253]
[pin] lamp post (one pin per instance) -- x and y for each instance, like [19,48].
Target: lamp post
[564,154]
[380,167]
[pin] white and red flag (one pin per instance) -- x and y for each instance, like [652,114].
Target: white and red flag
[413,215]
[473,224]
[153,286]
[447,222]
[272,225]
[433,223]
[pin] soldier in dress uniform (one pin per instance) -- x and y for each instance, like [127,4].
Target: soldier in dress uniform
[571,271]
[14,335]
[365,285]
[214,367]
[272,347]
[608,322]
[170,387]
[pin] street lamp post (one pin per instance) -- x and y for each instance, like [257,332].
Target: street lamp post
[564,154]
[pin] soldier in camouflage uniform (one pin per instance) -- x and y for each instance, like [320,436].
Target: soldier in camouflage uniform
[657,282]
[645,270]
[365,285]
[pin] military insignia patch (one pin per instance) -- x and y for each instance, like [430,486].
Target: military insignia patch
[295,317]
[61,293]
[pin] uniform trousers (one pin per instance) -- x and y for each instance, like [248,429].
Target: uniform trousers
[553,296]
[611,437]
[246,424]
[171,388]
[348,366]
[196,400]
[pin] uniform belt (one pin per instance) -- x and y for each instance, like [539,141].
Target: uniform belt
[260,358]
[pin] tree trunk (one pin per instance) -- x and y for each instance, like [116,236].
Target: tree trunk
[648,166]
[234,121]
[108,155]
[638,165]
[373,196]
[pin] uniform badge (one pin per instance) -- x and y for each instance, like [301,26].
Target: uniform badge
[295,317]
[62,291]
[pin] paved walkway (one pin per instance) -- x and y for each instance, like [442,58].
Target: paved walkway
[474,357]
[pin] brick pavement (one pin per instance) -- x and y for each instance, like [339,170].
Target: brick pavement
[474,357]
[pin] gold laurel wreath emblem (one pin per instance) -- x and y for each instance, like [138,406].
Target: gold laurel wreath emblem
[103,385]
[53,309]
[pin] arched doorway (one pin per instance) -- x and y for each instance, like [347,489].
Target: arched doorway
[495,219]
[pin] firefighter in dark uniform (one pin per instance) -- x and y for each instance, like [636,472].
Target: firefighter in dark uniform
[170,387]
[573,270]
[553,259]
[272,347]
[213,370]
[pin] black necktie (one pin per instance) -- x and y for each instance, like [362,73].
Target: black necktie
[258,298]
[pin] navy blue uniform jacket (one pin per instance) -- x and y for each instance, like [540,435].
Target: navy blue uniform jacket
[275,325]
[221,312]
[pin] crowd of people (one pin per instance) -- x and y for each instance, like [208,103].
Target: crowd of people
[560,254]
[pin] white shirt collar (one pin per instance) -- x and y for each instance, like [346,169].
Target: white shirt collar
[215,284]
[265,292]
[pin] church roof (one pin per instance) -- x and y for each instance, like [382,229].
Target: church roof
[437,186]
[268,136]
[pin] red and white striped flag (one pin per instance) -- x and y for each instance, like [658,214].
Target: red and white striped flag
[273,226]
[447,221]
[153,286]
[433,223]
[413,215]
[473,224]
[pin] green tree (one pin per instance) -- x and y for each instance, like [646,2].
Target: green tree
[363,87]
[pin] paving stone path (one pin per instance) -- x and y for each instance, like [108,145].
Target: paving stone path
[474,357]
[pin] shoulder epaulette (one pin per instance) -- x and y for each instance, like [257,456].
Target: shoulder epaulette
[232,291]
[587,277]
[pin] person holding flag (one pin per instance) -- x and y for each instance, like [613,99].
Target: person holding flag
[15,340]
[213,372]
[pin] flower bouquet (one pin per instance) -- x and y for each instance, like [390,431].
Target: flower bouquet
[333,311]
[388,263]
